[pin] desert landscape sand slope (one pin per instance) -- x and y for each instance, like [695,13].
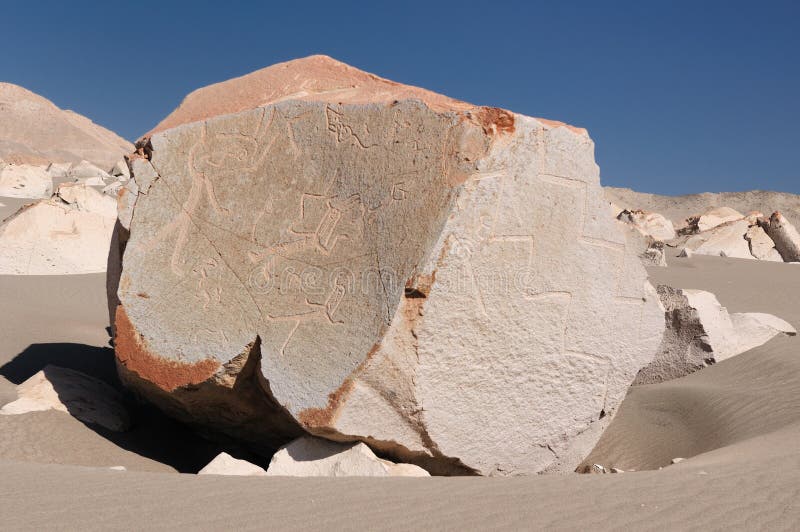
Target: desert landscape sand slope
[737,424]
[678,208]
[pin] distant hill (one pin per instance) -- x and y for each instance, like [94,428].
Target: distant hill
[33,130]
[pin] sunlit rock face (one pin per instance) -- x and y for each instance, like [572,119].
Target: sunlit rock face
[349,257]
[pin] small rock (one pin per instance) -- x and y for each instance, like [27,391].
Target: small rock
[315,457]
[616,470]
[118,468]
[686,253]
[225,464]
[83,397]
[677,460]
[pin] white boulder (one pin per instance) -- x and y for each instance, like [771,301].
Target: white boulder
[225,464]
[69,233]
[315,457]
[86,172]
[649,223]
[25,181]
[121,170]
[85,398]
[726,240]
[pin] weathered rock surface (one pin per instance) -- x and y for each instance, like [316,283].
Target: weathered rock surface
[649,223]
[700,332]
[69,233]
[225,464]
[363,260]
[83,397]
[36,132]
[315,457]
[785,237]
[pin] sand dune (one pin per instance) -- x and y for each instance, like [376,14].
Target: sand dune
[738,423]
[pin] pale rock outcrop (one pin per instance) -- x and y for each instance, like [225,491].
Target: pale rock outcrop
[785,237]
[314,457]
[700,332]
[717,216]
[761,245]
[353,254]
[25,181]
[69,233]
[34,131]
[725,240]
[83,397]
[59,170]
[225,464]
[649,223]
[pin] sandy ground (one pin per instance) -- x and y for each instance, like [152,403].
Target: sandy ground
[738,423]
[9,206]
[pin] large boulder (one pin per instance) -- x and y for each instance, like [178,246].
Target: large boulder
[69,233]
[34,131]
[66,390]
[314,249]
[314,457]
[700,332]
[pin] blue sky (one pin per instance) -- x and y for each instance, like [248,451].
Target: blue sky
[679,97]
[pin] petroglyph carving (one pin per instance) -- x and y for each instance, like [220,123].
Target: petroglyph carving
[382,258]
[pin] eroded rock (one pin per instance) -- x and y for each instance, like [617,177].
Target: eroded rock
[25,181]
[700,332]
[348,261]
[649,223]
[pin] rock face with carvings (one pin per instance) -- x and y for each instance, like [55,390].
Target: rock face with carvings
[313,249]
[701,332]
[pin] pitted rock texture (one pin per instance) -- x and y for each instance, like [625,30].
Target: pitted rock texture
[390,270]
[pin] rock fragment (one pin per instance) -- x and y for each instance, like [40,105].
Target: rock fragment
[225,464]
[83,397]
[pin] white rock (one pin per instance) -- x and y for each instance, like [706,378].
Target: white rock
[649,223]
[52,237]
[726,240]
[85,398]
[118,468]
[25,181]
[677,460]
[700,331]
[761,245]
[86,172]
[314,457]
[59,170]
[225,464]
[717,216]
[121,170]
[686,253]
[87,199]
[785,236]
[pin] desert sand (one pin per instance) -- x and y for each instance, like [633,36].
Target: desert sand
[736,423]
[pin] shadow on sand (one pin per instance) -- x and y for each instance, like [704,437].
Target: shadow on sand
[153,435]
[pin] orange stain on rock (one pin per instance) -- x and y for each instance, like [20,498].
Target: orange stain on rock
[132,352]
